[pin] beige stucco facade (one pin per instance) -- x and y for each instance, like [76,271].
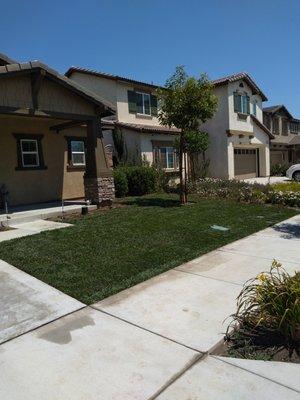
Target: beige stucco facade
[228,131]
[138,145]
[55,182]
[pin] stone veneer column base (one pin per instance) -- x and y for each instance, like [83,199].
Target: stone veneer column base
[100,191]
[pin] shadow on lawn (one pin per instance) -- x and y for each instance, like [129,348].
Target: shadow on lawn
[153,202]
[290,231]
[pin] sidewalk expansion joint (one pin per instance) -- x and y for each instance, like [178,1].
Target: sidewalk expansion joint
[44,324]
[208,277]
[254,373]
[175,377]
[148,330]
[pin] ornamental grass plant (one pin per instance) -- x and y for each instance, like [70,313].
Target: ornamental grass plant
[268,313]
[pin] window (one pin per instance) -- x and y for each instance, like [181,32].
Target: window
[254,108]
[241,103]
[77,152]
[284,126]
[294,127]
[166,157]
[143,103]
[29,152]
[275,129]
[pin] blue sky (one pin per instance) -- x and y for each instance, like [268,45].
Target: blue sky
[145,40]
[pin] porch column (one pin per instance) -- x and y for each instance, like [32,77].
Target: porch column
[98,179]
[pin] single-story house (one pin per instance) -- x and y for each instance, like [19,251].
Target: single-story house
[50,137]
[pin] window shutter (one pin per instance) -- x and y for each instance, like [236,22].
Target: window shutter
[131,95]
[156,160]
[248,104]
[153,105]
[237,102]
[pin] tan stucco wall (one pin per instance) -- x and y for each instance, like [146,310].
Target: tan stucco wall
[216,128]
[116,92]
[54,183]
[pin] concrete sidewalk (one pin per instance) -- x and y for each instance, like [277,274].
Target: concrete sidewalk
[151,341]
[30,228]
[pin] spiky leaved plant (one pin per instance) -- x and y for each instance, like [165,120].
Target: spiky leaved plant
[268,312]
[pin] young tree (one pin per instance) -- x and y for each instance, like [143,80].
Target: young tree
[184,103]
[197,143]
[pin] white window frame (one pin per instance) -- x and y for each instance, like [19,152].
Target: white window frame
[77,152]
[36,152]
[167,159]
[143,103]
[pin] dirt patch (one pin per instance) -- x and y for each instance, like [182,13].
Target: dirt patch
[265,354]
[6,228]
[71,216]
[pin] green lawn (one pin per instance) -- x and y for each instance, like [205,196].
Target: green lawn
[108,251]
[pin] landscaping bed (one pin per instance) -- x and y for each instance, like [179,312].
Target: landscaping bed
[266,324]
[246,192]
[250,353]
[105,252]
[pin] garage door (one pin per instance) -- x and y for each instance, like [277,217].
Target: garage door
[245,163]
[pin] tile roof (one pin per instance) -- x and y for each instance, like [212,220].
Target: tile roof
[237,77]
[37,65]
[274,109]
[108,76]
[4,59]
[287,140]
[216,82]
[262,126]
[142,127]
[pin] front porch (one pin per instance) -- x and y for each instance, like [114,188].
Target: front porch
[50,138]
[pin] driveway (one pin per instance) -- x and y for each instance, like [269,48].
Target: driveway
[268,180]
[152,341]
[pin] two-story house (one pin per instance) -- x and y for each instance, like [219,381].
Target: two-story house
[135,122]
[285,147]
[240,142]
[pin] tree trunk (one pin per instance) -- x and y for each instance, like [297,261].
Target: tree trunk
[183,199]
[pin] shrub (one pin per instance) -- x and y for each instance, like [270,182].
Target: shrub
[291,199]
[268,312]
[141,180]
[279,169]
[286,187]
[244,192]
[121,184]
[135,180]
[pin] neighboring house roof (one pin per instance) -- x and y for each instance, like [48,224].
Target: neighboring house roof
[4,60]
[141,128]
[108,76]
[19,68]
[262,126]
[287,140]
[274,109]
[237,77]
[216,82]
